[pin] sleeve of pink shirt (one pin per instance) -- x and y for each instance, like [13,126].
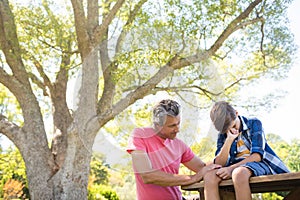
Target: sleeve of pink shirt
[187,155]
[135,141]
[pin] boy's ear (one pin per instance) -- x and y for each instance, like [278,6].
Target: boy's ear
[237,113]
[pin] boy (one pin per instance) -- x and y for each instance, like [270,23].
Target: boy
[242,151]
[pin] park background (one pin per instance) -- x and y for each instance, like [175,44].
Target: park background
[281,120]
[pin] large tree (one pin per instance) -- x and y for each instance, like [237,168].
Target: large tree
[123,51]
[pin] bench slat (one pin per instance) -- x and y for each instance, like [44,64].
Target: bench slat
[259,184]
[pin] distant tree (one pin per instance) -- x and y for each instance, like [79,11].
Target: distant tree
[205,149]
[13,189]
[12,174]
[102,192]
[274,139]
[294,155]
[99,172]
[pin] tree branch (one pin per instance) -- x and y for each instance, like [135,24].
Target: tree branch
[131,17]
[9,129]
[5,78]
[176,62]
[47,82]
[100,31]
[92,15]
[38,82]
[139,93]
[246,23]
[81,28]
[9,43]
[232,27]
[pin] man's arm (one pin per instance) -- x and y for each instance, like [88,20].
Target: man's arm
[196,164]
[167,179]
[143,167]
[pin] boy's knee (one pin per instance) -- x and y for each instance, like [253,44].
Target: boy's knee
[211,178]
[241,175]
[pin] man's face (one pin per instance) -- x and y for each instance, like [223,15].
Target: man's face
[170,128]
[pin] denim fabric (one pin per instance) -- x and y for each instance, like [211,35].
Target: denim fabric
[258,168]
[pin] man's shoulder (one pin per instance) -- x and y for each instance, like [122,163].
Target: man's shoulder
[177,142]
[143,132]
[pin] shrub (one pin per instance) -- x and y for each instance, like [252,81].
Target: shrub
[101,192]
[13,189]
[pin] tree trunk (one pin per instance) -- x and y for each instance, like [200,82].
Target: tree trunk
[71,181]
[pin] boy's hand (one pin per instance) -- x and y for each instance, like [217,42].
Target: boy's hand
[232,134]
[224,172]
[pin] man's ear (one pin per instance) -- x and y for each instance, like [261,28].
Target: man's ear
[156,126]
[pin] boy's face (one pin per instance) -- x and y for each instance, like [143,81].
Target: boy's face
[235,126]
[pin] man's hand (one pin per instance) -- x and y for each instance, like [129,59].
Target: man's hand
[199,175]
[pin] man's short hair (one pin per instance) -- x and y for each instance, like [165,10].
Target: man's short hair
[162,109]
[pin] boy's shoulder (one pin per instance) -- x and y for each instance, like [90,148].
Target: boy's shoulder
[252,123]
[251,120]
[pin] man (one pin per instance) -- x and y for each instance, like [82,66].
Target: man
[157,155]
[242,150]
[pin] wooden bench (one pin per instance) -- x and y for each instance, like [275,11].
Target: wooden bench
[260,184]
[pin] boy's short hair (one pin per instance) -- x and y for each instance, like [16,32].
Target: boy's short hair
[221,115]
[164,108]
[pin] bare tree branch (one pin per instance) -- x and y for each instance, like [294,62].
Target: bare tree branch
[40,69]
[100,30]
[9,129]
[247,23]
[38,82]
[131,17]
[232,26]
[81,28]
[92,15]
[9,43]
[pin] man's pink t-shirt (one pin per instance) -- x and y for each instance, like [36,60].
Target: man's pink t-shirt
[165,155]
